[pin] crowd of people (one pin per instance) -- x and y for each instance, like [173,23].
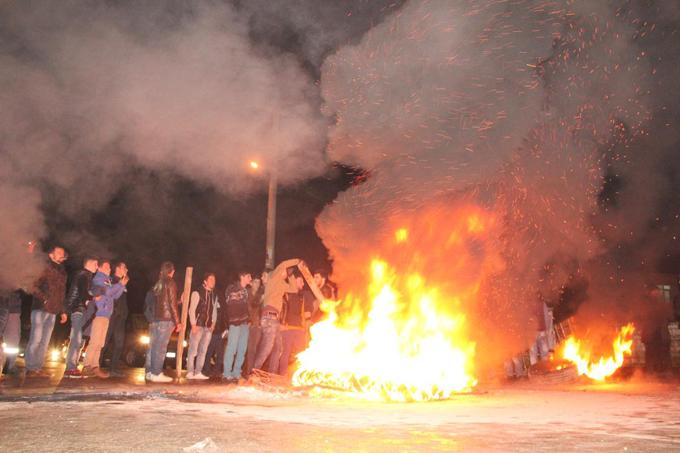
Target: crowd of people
[259,323]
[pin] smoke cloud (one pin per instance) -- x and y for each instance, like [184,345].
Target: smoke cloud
[90,89]
[530,108]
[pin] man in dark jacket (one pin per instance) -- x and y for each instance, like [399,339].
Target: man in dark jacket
[48,302]
[236,298]
[115,337]
[203,316]
[255,331]
[218,343]
[297,310]
[77,300]
[165,321]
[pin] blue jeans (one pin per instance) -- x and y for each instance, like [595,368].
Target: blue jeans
[160,332]
[270,344]
[75,341]
[237,342]
[42,324]
[198,346]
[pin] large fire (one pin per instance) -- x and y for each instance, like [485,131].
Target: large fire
[600,369]
[401,333]
[406,348]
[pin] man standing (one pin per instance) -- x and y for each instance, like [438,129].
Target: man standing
[270,343]
[203,316]
[296,314]
[254,330]
[115,338]
[108,292]
[236,298]
[218,343]
[166,319]
[48,302]
[77,300]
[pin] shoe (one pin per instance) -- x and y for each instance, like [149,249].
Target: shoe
[87,372]
[98,372]
[160,378]
[116,374]
[200,376]
[148,375]
[190,375]
[74,374]
[36,374]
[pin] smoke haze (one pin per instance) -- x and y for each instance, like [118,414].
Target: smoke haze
[90,90]
[537,110]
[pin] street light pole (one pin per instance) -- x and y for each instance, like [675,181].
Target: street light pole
[271,220]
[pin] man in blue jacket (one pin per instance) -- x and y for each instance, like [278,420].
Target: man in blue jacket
[108,292]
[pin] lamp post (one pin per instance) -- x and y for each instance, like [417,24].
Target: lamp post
[271,215]
[271,221]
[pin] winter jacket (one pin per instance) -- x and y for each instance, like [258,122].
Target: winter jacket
[120,306]
[255,305]
[50,288]
[108,292]
[203,308]
[14,301]
[79,294]
[237,304]
[165,295]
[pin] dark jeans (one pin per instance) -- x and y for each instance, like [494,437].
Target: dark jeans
[115,339]
[75,341]
[215,350]
[161,331]
[292,342]
[253,342]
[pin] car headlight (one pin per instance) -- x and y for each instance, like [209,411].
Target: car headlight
[9,350]
[144,339]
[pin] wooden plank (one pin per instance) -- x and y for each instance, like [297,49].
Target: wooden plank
[312,284]
[185,312]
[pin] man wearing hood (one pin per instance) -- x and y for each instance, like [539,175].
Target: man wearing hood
[105,293]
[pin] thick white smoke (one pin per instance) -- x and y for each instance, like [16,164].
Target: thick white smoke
[88,89]
[515,102]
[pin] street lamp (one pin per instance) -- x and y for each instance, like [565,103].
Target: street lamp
[271,215]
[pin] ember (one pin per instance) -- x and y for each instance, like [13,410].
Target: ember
[575,351]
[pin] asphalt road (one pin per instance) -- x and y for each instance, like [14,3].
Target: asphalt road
[126,414]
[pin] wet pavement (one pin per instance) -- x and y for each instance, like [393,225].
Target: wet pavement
[128,415]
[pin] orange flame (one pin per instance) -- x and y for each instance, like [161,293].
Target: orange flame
[406,348]
[600,370]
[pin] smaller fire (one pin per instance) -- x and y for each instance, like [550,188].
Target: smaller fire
[576,352]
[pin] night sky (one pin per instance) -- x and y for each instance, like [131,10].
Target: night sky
[126,131]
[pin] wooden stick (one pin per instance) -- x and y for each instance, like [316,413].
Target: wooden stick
[185,312]
[312,284]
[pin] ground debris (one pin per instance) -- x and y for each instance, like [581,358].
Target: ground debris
[206,445]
